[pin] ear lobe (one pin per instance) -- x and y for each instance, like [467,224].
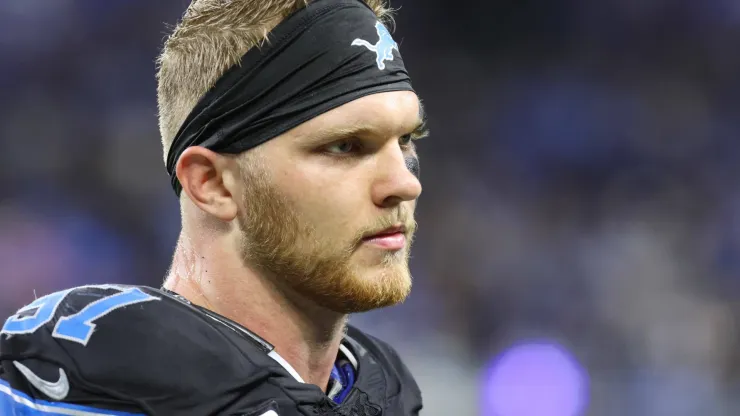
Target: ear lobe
[201,173]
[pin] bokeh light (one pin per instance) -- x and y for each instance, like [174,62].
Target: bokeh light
[534,379]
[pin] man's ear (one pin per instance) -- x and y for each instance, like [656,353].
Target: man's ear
[208,179]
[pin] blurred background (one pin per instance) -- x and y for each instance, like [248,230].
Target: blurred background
[579,243]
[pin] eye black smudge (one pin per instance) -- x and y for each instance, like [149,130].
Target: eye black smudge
[412,164]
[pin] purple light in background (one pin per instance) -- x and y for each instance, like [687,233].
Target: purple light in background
[534,379]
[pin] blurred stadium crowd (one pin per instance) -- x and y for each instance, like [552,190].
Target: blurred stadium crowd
[579,243]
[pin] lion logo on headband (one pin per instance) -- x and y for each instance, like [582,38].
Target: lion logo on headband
[383,49]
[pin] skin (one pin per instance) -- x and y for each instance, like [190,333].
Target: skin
[274,238]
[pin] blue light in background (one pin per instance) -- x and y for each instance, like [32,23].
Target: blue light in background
[534,379]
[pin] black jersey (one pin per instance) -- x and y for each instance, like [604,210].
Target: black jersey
[132,350]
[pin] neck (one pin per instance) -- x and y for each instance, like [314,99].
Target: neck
[306,335]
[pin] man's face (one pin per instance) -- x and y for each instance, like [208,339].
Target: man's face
[329,206]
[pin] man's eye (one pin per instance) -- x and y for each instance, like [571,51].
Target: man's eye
[404,140]
[345,146]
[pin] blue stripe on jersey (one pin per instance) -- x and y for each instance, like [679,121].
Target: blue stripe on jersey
[16,403]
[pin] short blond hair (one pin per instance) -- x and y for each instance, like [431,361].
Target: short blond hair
[212,36]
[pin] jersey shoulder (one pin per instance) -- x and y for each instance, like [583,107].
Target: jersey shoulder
[383,373]
[52,349]
[131,347]
[74,315]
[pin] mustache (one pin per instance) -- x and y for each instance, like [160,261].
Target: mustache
[381,224]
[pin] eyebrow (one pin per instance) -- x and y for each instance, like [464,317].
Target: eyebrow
[420,131]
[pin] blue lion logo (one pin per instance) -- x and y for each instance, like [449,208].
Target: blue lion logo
[383,49]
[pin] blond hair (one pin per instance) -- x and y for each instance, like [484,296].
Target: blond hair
[212,36]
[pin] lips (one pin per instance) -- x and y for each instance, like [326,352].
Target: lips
[398,229]
[392,238]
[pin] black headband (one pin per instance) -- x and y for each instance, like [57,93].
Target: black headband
[322,56]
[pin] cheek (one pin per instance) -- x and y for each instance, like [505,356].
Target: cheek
[332,197]
[330,207]
[334,210]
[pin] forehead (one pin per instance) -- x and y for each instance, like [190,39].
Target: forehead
[390,114]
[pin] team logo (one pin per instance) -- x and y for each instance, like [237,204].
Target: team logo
[383,49]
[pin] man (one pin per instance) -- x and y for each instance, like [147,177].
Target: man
[287,129]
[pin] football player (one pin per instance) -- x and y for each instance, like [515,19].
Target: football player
[288,130]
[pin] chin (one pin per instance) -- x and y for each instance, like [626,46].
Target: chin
[379,287]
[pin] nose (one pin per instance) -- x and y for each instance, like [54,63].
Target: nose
[394,182]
